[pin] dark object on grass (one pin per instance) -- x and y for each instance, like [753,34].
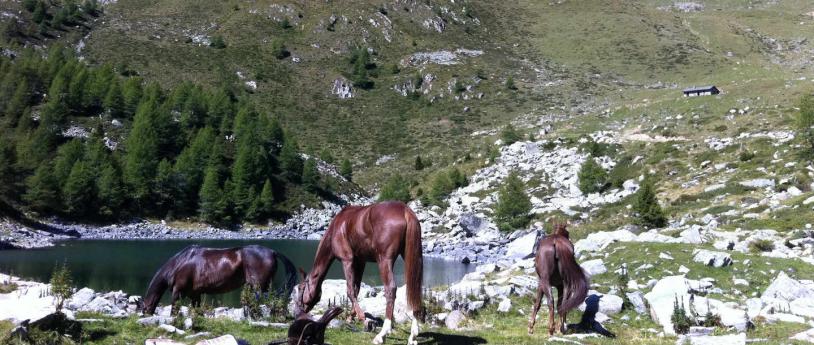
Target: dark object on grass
[305,331]
[588,323]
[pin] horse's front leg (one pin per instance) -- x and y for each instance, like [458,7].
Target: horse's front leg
[386,272]
[176,295]
[351,275]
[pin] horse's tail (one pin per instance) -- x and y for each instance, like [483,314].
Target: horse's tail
[574,279]
[413,263]
[290,273]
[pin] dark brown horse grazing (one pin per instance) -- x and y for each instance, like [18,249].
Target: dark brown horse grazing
[360,234]
[196,270]
[556,266]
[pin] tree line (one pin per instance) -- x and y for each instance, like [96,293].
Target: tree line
[180,152]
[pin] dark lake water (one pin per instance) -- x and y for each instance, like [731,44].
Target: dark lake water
[128,265]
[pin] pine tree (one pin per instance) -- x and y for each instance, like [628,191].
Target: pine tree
[67,156]
[419,165]
[648,211]
[8,173]
[592,177]
[79,190]
[190,166]
[290,160]
[111,193]
[39,13]
[266,200]
[141,158]
[513,204]
[114,101]
[510,83]
[165,188]
[247,170]
[457,178]
[210,196]
[396,188]
[42,190]
[76,90]
[346,169]
[131,95]
[310,175]
[220,108]
[805,120]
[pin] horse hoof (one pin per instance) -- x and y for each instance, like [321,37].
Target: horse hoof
[378,340]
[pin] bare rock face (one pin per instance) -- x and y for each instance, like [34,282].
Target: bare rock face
[342,88]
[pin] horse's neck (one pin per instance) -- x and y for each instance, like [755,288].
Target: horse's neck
[323,260]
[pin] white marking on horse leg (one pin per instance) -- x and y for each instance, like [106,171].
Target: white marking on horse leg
[386,329]
[413,333]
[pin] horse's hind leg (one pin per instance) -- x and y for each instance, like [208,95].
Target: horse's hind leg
[550,300]
[562,313]
[541,290]
[386,272]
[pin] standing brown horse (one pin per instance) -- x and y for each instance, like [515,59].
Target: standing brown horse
[196,270]
[360,234]
[556,266]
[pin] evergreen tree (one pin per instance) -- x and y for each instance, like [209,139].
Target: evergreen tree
[326,156]
[111,193]
[210,196]
[266,200]
[346,169]
[396,188]
[78,192]
[18,103]
[114,101]
[190,166]
[419,165]
[457,178]
[61,285]
[509,135]
[30,5]
[805,120]
[290,160]
[131,95]
[592,177]
[8,174]
[67,156]
[648,211]
[310,175]
[141,157]
[513,204]
[165,188]
[76,90]
[220,109]
[40,14]
[42,190]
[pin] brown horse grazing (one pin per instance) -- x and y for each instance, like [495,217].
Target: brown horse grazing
[360,234]
[196,270]
[556,266]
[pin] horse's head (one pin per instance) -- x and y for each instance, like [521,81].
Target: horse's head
[561,228]
[147,305]
[308,293]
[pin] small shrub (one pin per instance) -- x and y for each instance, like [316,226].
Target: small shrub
[217,42]
[396,188]
[250,300]
[746,156]
[61,285]
[509,135]
[681,322]
[510,83]
[759,246]
[278,49]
